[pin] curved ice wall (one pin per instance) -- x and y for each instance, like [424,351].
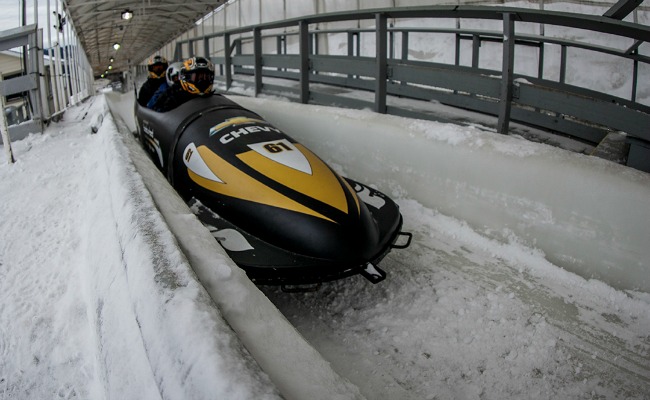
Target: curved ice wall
[588,215]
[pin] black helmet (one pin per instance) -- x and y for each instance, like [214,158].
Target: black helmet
[157,67]
[197,75]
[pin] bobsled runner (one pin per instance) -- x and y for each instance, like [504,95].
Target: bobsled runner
[280,212]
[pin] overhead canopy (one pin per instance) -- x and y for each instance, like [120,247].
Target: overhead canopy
[99,25]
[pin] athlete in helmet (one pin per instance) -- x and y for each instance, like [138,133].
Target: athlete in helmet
[172,75]
[157,67]
[195,80]
[197,76]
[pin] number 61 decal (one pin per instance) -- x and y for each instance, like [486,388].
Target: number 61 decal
[277,147]
[283,152]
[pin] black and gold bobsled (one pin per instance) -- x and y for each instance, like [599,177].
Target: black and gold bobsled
[281,213]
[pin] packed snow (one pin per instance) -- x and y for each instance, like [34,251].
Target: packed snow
[101,298]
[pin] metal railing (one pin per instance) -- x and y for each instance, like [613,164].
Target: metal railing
[29,37]
[65,79]
[260,52]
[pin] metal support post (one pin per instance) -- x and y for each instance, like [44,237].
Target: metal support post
[4,128]
[351,44]
[257,55]
[476,44]
[540,66]
[304,62]
[55,95]
[227,63]
[381,55]
[457,50]
[351,49]
[405,45]
[33,69]
[505,102]
[563,64]
[178,51]
[622,9]
[281,47]
[635,77]
[405,51]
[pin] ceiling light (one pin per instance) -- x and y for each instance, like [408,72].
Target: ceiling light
[111,59]
[127,14]
[116,46]
[110,67]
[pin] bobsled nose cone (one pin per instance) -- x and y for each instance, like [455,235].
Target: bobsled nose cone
[279,210]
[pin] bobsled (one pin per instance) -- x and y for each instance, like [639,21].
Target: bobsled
[280,212]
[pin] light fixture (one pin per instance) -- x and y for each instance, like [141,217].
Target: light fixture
[116,46]
[110,67]
[127,14]
[111,59]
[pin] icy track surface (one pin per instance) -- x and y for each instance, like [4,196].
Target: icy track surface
[463,314]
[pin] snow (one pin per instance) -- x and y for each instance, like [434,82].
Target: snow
[96,296]
[101,298]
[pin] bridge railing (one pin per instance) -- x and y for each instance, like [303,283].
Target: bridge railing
[29,82]
[49,84]
[256,55]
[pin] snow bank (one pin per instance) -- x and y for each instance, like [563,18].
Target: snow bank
[588,215]
[148,295]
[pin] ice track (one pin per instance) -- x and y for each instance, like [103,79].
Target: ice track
[456,319]
[466,315]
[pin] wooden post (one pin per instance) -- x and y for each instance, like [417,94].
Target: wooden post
[4,128]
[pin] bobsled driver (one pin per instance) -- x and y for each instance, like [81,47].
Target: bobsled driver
[157,66]
[172,75]
[195,80]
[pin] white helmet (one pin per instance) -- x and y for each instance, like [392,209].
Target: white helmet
[174,72]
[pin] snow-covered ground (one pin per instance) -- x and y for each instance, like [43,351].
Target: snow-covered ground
[100,298]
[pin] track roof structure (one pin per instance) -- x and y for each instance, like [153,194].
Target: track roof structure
[100,24]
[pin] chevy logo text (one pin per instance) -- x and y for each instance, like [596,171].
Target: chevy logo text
[229,137]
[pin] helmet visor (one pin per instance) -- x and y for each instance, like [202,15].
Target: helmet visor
[157,69]
[201,80]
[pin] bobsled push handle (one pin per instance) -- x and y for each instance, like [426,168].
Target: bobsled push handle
[408,235]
